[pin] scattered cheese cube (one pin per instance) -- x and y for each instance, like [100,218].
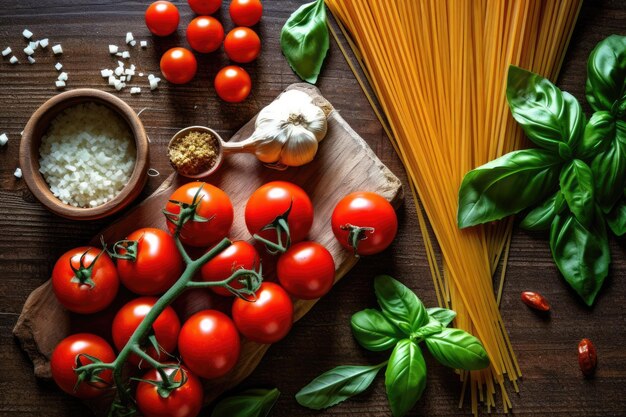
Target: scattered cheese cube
[105,73]
[129,37]
[119,71]
[143,44]
[125,54]
[60,83]
[112,80]
[13,60]
[123,78]
[135,90]
[31,60]
[33,45]
[18,173]
[120,64]
[6,51]
[28,50]
[27,34]
[3,139]
[132,43]
[43,43]
[57,49]
[62,76]
[113,49]
[58,66]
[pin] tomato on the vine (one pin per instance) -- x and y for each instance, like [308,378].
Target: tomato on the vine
[233,84]
[85,280]
[246,12]
[178,65]
[269,318]
[156,266]
[65,359]
[270,203]
[239,255]
[306,270]
[205,7]
[242,45]
[213,208]
[205,34]
[162,18]
[165,328]
[182,401]
[364,222]
[209,344]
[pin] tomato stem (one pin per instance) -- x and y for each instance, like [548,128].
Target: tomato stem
[133,344]
[356,234]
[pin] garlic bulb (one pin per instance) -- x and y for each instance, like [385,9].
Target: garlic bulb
[287,131]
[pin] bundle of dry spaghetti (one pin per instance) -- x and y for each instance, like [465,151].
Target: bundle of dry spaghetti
[438,69]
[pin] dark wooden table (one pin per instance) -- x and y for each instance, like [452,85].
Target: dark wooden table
[31,238]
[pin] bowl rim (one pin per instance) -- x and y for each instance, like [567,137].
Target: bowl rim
[220,151]
[38,185]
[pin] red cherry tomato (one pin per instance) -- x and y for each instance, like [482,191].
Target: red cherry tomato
[233,84]
[165,327]
[242,45]
[184,401]
[204,7]
[269,318]
[364,222]
[178,65]
[63,362]
[239,255]
[209,344]
[82,287]
[306,270]
[214,205]
[205,34]
[157,265]
[272,200]
[162,18]
[246,12]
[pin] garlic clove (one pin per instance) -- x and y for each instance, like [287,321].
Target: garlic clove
[300,148]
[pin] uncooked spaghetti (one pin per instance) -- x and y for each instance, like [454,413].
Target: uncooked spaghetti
[438,70]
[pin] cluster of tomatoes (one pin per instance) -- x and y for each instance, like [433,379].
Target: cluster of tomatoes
[279,214]
[205,34]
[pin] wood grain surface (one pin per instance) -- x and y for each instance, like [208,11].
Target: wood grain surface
[44,322]
[31,238]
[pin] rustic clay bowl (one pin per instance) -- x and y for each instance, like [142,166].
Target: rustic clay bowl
[37,127]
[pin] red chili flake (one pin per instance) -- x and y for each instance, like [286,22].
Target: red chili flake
[587,357]
[535,300]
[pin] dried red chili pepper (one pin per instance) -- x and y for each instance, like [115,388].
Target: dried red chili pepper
[587,357]
[535,300]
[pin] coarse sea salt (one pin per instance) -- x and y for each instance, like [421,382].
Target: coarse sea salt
[87,155]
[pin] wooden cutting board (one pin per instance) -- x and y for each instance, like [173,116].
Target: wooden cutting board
[344,163]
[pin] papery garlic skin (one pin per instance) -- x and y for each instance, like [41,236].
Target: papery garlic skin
[288,130]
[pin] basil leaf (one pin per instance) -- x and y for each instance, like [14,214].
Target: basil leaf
[578,189]
[609,171]
[399,304]
[616,218]
[540,218]
[405,378]
[606,73]
[374,331]
[304,40]
[597,135]
[458,349]
[507,185]
[551,118]
[337,385]
[581,254]
[442,315]
[249,403]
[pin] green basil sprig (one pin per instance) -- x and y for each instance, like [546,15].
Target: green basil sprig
[573,184]
[402,324]
[249,403]
[337,385]
[304,40]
